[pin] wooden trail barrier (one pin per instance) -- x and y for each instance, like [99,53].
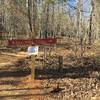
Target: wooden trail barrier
[30,42]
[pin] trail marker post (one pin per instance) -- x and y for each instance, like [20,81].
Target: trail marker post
[32,52]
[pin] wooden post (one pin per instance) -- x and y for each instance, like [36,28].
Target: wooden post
[50,50]
[60,62]
[33,66]
[45,52]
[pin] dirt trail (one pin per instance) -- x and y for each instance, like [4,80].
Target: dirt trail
[14,86]
[79,83]
[17,89]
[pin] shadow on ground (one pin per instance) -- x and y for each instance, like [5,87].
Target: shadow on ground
[70,71]
[14,73]
[19,96]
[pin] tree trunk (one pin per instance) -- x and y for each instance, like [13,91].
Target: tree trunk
[90,27]
[29,14]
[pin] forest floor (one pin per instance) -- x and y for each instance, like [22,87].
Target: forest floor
[78,79]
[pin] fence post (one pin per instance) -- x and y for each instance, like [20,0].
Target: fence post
[33,66]
[60,62]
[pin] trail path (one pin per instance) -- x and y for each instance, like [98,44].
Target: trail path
[14,86]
